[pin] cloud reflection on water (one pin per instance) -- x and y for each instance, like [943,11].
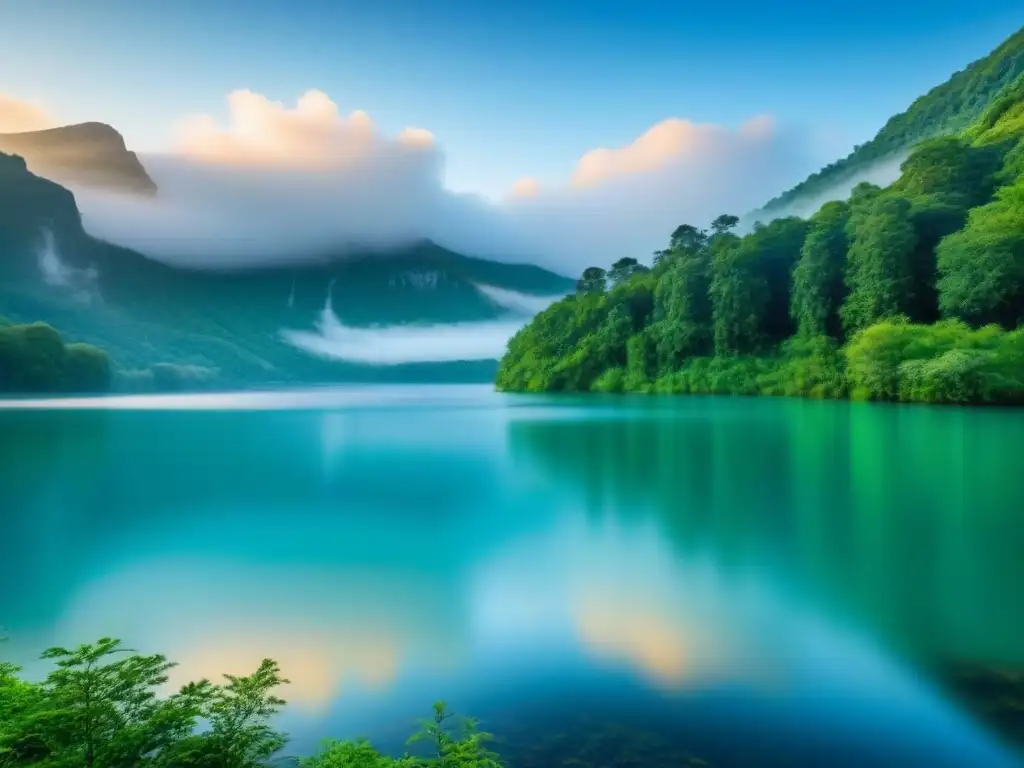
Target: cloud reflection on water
[391,551]
[333,632]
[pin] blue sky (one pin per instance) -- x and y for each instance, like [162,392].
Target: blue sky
[509,89]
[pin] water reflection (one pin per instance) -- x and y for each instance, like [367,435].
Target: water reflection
[904,519]
[335,632]
[734,573]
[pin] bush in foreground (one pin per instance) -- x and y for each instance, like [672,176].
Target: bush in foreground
[100,708]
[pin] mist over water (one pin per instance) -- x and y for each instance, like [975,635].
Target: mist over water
[427,343]
[521,303]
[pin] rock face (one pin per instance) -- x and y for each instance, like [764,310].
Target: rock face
[88,154]
[28,205]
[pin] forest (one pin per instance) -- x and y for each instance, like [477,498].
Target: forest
[947,108]
[35,358]
[911,293]
[101,707]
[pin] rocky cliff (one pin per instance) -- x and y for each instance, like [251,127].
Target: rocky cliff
[87,154]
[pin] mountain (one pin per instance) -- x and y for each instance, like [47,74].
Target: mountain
[90,154]
[945,110]
[181,328]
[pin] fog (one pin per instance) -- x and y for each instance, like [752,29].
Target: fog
[426,343]
[881,174]
[80,283]
[279,184]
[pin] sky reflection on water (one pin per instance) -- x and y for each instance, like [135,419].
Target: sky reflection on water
[763,575]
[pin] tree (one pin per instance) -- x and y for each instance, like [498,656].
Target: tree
[724,223]
[99,708]
[239,735]
[623,269]
[20,702]
[944,178]
[879,268]
[593,280]
[774,249]
[453,742]
[348,754]
[863,195]
[738,295]
[950,169]
[818,288]
[682,311]
[686,237]
[981,267]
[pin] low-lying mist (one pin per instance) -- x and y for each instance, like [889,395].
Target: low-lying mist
[881,174]
[427,343]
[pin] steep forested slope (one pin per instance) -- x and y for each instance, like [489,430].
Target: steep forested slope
[945,110]
[914,292]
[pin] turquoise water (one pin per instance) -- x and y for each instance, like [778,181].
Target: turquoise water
[751,582]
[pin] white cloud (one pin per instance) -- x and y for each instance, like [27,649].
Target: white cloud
[275,183]
[659,146]
[625,201]
[313,134]
[17,115]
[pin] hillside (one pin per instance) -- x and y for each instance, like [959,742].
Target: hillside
[188,328]
[90,154]
[945,110]
[911,293]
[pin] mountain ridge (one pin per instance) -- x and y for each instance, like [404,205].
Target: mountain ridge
[92,154]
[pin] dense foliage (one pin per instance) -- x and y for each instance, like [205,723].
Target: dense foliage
[34,359]
[945,110]
[911,293]
[100,707]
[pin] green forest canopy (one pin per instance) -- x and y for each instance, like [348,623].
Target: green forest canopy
[946,109]
[914,292]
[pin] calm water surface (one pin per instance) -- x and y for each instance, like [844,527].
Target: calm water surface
[750,582]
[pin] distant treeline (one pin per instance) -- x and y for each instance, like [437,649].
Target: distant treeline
[34,359]
[909,293]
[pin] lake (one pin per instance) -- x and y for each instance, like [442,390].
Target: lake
[630,581]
